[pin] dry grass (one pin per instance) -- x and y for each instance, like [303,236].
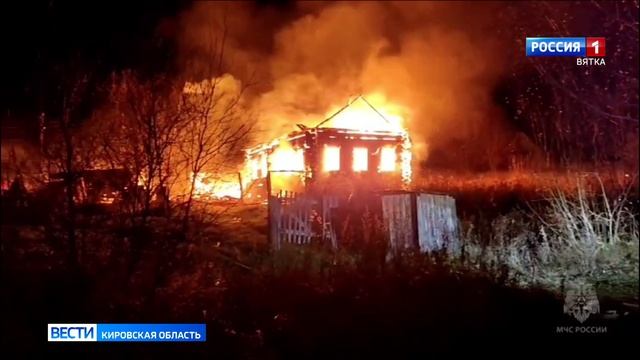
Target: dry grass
[525,181]
[582,233]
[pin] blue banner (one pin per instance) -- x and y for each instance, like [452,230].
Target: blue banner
[556,46]
[127,332]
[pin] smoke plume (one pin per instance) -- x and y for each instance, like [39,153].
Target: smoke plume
[438,60]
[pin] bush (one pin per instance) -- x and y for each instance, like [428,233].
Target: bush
[583,234]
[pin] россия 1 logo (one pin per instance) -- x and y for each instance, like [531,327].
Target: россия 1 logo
[587,50]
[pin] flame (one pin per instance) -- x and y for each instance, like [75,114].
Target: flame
[359,115]
[264,165]
[256,167]
[107,198]
[142,180]
[331,158]
[360,159]
[204,187]
[286,158]
[406,159]
[373,114]
[388,159]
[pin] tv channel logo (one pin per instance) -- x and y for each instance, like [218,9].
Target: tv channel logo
[566,46]
[596,47]
[127,332]
[72,332]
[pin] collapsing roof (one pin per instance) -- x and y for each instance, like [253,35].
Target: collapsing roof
[356,139]
[358,116]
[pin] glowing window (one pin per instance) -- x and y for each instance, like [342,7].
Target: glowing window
[360,159]
[387,159]
[331,158]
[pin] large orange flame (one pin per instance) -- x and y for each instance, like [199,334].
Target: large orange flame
[372,112]
[360,159]
[205,187]
[286,158]
[331,158]
[388,159]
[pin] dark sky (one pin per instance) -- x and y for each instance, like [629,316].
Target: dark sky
[45,43]
[47,40]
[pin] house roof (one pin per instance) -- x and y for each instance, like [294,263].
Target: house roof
[358,114]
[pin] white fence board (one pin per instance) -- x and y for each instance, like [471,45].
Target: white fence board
[424,221]
[437,223]
[290,220]
[396,213]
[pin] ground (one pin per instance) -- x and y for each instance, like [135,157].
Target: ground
[300,301]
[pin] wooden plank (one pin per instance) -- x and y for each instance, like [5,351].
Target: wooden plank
[309,222]
[305,227]
[298,223]
[396,211]
[306,231]
[275,216]
[303,223]
[437,223]
[295,223]
[324,211]
[289,224]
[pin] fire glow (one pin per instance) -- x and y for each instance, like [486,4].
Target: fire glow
[331,158]
[388,159]
[286,158]
[358,115]
[355,138]
[206,187]
[360,159]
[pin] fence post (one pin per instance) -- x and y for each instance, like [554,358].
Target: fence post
[270,205]
[274,206]
[323,211]
[414,220]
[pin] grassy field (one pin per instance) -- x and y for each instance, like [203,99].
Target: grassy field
[302,302]
[305,301]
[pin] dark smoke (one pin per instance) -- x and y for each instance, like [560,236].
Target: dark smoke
[441,61]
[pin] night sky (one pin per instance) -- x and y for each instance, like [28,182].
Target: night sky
[47,42]
[46,39]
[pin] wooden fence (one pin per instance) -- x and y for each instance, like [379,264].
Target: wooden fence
[398,219]
[437,223]
[427,222]
[300,219]
[419,220]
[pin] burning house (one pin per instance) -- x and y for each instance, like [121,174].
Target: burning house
[357,143]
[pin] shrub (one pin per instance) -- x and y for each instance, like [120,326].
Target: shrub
[583,234]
